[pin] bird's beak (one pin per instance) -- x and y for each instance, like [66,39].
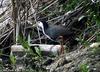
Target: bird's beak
[35,25]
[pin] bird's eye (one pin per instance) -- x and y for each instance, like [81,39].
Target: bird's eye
[39,23]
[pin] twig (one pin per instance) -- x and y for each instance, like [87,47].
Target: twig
[35,13]
[92,37]
[3,34]
[1,3]
[48,6]
[37,39]
[7,36]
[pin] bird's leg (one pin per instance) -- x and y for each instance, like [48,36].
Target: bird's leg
[61,43]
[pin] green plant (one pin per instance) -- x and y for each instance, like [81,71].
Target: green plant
[84,68]
[27,47]
[33,55]
[12,59]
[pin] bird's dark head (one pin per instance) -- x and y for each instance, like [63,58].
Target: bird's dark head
[42,25]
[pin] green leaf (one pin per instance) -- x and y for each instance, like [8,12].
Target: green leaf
[23,42]
[84,68]
[38,51]
[12,59]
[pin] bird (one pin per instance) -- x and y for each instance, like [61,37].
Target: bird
[55,32]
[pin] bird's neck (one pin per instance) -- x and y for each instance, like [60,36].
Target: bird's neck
[44,32]
[46,27]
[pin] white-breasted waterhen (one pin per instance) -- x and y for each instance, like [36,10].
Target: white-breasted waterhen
[54,32]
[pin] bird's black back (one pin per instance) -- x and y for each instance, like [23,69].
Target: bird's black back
[55,31]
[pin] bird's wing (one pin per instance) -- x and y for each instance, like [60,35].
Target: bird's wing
[56,31]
